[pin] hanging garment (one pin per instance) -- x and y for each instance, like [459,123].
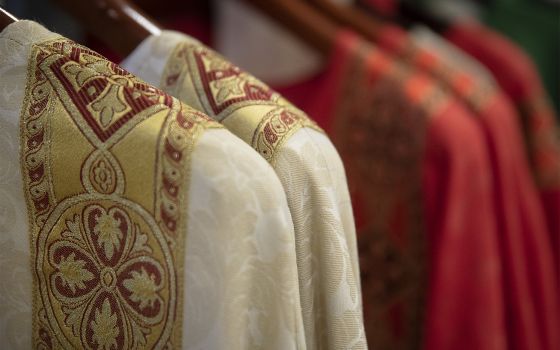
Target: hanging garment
[305,161]
[148,224]
[539,260]
[430,41]
[421,181]
[531,286]
[517,75]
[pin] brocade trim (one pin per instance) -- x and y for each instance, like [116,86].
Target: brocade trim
[223,90]
[275,128]
[379,130]
[107,257]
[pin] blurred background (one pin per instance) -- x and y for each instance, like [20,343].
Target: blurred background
[533,24]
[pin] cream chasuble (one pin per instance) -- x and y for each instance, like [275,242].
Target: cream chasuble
[129,220]
[305,161]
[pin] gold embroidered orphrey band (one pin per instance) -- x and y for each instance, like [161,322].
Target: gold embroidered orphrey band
[246,106]
[106,164]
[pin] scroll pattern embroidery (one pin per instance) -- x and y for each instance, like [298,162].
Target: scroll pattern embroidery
[224,89]
[107,267]
[275,128]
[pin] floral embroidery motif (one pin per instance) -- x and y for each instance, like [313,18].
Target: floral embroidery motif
[224,89]
[102,175]
[108,99]
[221,87]
[73,273]
[100,270]
[225,84]
[108,232]
[107,267]
[104,328]
[108,108]
[143,288]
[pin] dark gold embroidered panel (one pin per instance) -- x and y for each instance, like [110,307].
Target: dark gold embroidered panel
[245,105]
[106,162]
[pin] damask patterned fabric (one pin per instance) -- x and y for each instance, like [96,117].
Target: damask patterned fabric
[148,224]
[305,161]
[420,179]
[531,282]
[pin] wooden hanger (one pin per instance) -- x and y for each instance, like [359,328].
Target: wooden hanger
[118,23]
[6,19]
[302,20]
[409,14]
[350,17]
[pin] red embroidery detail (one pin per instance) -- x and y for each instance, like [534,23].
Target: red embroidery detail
[82,99]
[251,91]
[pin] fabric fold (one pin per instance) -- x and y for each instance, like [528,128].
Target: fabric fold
[304,159]
[150,225]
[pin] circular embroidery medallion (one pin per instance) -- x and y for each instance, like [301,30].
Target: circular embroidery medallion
[104,276]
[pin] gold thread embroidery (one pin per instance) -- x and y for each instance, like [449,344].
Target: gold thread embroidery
[107,270]
[275,128]
[223,90]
